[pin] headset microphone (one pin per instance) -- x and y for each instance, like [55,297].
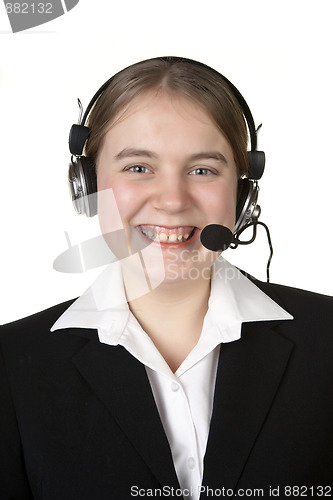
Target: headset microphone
[216,238]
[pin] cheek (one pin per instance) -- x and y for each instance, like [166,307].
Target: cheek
[117,205]
[125,199]
[118,196]
[219,202]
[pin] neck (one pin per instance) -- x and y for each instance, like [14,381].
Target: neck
[173,297]
[172,315]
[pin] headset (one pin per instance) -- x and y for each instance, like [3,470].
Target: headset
[82,173]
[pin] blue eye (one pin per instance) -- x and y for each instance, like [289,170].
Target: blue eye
[138,169]
[201,171]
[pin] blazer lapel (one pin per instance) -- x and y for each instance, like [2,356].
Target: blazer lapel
[248,377]
[121,382]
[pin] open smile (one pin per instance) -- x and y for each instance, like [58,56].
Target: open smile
[173,235]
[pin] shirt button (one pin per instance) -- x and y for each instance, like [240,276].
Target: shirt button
[191,463]
[174,387]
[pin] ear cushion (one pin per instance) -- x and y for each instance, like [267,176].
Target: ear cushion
[247,208]
[244,187]
[90,180]
[89,174]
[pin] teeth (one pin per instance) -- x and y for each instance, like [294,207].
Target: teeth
[173,237]
[163,237]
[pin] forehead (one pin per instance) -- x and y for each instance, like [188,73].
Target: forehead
[164,99]
[163,114]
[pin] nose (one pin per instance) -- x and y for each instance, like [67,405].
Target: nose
[172,195]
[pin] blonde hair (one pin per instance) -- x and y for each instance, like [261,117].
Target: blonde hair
[184,77]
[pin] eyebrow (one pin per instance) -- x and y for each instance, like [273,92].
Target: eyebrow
[209,155]
[204,155]
[130,152]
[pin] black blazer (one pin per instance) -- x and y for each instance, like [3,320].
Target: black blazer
[79,422]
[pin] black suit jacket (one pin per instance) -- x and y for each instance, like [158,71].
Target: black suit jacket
[79,421]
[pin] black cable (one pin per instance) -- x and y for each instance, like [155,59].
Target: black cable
[236,241]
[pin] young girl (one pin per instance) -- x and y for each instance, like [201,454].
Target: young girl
[174,375]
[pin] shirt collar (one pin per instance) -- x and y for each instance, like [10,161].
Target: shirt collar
[234,299]
[102,306]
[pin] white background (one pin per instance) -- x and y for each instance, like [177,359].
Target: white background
[278,54]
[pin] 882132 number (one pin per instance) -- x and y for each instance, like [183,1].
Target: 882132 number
[308,491]
[29,8]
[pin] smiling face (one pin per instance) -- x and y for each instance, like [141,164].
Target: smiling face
[172,172]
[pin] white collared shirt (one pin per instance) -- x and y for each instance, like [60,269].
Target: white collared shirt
[185,398]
